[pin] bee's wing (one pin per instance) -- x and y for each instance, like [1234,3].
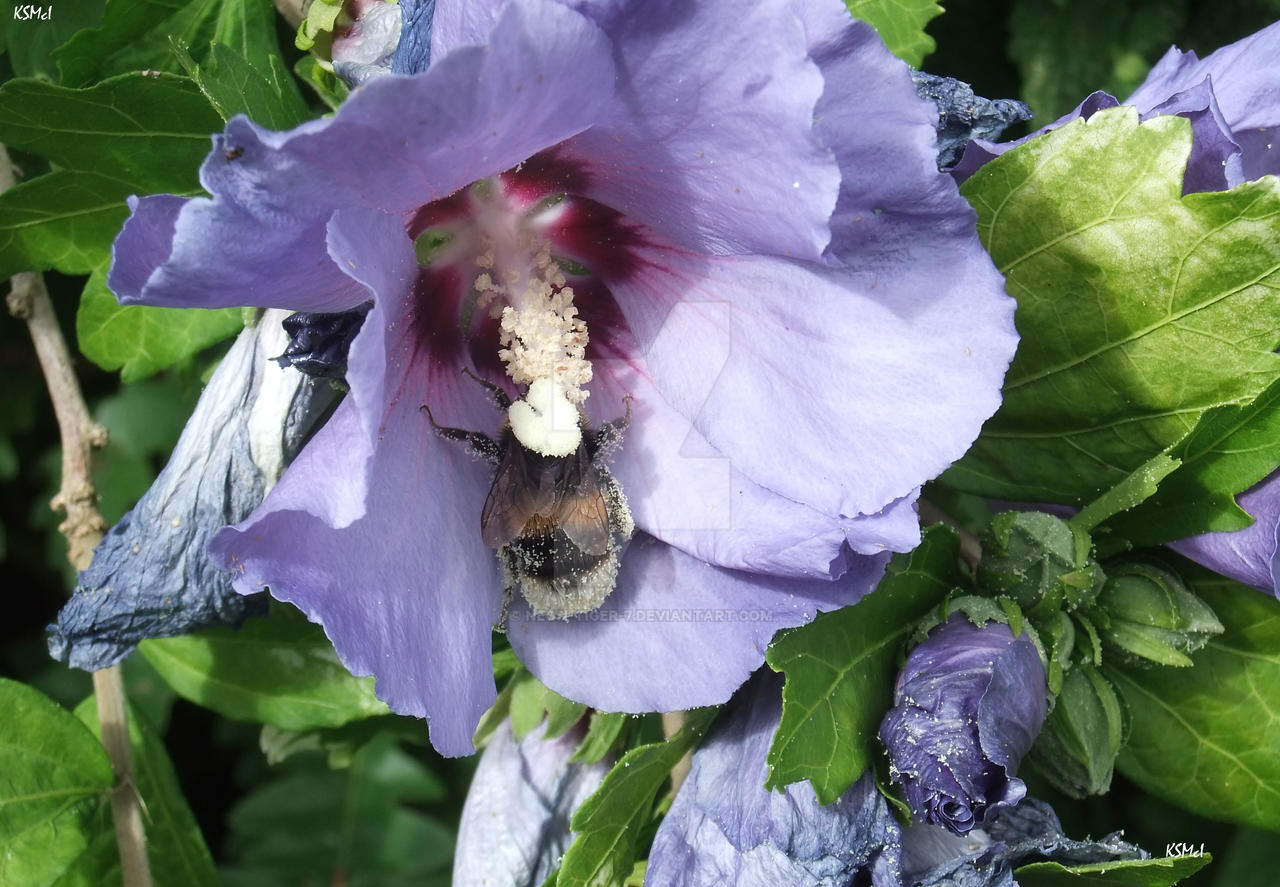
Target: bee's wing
[512,499]
[581,509]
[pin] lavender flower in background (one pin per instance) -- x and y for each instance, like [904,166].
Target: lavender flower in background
[653,187]
[150,576]
[725,827]
[1252,555]
[1231,98]
[968,704]
[515,823]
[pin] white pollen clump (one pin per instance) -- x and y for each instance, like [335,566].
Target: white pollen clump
[545,420]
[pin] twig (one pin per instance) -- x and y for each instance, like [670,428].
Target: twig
[672,722]
[83,527]
[970,547]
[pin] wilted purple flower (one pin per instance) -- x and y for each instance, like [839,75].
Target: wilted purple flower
[725,827]
[149,576]
[729,215]
[515,823]
[968,704]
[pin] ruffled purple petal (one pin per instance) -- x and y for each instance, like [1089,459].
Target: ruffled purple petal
[368,532]
[260,240]
[873,386]
[968,704]
[725,827]
[684,492]
[1214,164]
[682,150]
[1251,555]
[515,823]
[1246,79]
[676,633]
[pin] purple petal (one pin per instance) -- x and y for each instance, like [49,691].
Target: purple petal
[682,152]
[405,588]
[408,592]
[1214,164]
[874,386]
[1251,555]
[515,823]
[274,192]
[685,493]
[676,633]
[544,74]
[725,827]
[968,704]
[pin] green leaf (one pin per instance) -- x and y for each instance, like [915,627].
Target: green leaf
[1230,450]
[280,671]
[1205,737]
[900,24]
[1130,492]
[135,133]
[1119,873]
[139,35]
[602,733]
[175,846]
[328,85]
[33,43]
[840,671]
[609,822]
[1139,309]
[356,826]
[140,340]
[150,130]
[65,221]
[531,702]
[53,776]
[266,92]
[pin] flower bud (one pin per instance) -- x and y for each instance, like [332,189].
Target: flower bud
[1078,746]
[1152,616]
[1039,560]
[967,706]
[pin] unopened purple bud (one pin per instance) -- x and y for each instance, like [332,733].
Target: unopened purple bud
[319,342]
[968,704]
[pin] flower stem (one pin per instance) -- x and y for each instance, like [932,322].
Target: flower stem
[83,527]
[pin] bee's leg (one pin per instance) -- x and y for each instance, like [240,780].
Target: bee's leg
[609,435]
[478,443]
[500,397]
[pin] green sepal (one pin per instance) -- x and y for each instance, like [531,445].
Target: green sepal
[1077,746]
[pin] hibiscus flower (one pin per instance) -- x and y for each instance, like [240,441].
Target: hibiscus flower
[725,218]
